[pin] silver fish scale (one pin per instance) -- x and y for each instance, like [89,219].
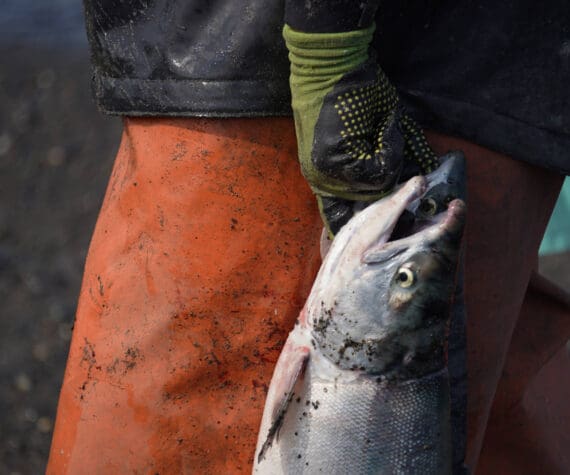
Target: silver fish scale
[365,427]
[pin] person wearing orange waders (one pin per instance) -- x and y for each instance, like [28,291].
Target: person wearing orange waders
[207,240]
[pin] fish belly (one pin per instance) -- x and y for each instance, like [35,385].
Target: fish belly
[364,427]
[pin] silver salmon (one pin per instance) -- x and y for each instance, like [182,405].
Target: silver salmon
[361,386]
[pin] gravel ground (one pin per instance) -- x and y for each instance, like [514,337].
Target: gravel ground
[56,153]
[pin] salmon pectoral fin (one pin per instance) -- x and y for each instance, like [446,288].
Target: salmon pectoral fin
[290,368]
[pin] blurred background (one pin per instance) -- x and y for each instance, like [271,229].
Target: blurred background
[56,153]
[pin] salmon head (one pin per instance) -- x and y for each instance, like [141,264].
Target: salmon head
[381,301]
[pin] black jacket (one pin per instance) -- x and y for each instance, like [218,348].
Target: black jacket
[493,72]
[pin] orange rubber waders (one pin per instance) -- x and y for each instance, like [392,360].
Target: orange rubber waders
[203,254]
[528,427]
[509,204]
[205,249]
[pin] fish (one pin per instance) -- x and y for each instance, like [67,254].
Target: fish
[445,184]
[362,385]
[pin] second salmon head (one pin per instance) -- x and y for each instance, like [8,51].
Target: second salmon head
[381,305]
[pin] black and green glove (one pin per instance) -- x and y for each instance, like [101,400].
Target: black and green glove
[354,137]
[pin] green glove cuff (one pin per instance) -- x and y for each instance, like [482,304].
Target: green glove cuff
[318,62]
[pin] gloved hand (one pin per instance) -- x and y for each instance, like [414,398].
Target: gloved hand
[354,137]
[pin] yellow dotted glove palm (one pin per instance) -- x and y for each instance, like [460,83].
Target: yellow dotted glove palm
[354,137]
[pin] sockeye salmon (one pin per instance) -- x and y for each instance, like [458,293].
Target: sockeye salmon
[361,385]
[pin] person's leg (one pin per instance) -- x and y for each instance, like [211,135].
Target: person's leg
[509,204]
[528,427]
[204,251]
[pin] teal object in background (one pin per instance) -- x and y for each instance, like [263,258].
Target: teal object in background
[557,236]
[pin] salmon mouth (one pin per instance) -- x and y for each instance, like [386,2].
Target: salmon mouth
[413,207]
[370,228]
[445,227]
[450,221]
[444,185]
[454,220]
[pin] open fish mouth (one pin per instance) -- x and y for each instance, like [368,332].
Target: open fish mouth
[436,214]
[443,228]
[453,221]
[449,222]
[368,229]
[414,206]
[443,186]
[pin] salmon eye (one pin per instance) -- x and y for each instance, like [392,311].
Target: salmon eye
[405,277]
[428,206]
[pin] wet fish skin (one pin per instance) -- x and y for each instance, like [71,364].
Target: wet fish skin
[361,385]
[385,427]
